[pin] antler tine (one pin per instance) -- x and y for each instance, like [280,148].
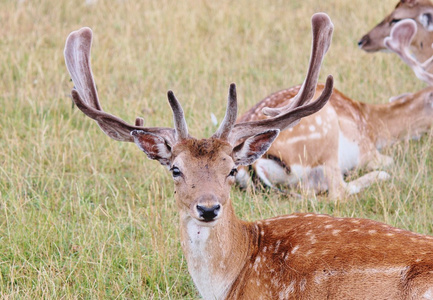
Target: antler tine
[399,42]
[178,116]
[85,96]
[290,115]
[322,29]
[230,117]
[77,52]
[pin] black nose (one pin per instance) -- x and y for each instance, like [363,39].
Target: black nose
[364,40]
[208,213]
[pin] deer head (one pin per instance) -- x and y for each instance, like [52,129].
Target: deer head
[421,11]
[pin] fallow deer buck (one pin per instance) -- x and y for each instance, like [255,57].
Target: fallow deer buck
[344,135]
[421,11]
[299,256]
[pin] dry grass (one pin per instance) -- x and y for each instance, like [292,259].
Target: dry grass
[82,216]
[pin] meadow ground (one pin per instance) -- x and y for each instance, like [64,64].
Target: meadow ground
[85,217]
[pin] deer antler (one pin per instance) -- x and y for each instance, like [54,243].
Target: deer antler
[284,117]
[157,142]
[399,42]
[85,96]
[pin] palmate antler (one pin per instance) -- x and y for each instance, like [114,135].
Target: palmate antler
[157,142]
[85,96]
[399,42]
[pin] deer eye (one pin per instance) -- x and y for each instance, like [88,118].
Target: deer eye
[233,172]
[175,172]
[393,21]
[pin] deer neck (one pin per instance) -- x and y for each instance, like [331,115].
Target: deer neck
[216,255]
[405,118]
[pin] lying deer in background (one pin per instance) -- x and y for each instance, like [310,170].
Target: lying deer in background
[343,136]
[421,11]
[299,256]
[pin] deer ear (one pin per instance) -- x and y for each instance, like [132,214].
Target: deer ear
[426,20]
[153,145]
[254,147]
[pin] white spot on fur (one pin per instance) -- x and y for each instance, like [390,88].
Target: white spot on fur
[318,120]
[322,216]
[303,284]
[313,239]
[277,245]
[302,138]
[372,231]
[287,290]
[257,263]
[295,249]
[312,128]
[429,294]
[336,231]
[328,226]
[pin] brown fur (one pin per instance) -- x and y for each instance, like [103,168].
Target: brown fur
[202,148]
[300,256]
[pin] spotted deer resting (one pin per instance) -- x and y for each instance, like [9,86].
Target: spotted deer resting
[345,134]
[421,12]
[296,256]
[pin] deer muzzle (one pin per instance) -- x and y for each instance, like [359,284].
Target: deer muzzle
[208,208]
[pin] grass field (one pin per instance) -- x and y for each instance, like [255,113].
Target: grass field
[85,217]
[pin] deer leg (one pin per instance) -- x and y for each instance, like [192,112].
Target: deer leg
[379,161]
[368,179]
[336,185]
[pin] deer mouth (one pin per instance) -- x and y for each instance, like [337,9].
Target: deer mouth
[205,223]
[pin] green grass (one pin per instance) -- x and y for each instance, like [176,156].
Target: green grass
[85,217]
